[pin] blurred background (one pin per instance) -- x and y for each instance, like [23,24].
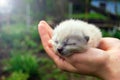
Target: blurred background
[22,56]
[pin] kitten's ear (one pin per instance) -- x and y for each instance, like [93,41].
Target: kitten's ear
[86,38]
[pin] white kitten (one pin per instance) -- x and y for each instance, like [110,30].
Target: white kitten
[72,36]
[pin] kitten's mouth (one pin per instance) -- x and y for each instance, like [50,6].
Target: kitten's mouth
[69,53]
[61,52]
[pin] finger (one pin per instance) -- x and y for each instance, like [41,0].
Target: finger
[109,43]
[43,31]
[48,28]
[64,65]
[43,34]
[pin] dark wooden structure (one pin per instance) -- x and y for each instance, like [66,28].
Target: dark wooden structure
[113,18]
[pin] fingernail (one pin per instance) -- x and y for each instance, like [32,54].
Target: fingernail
[41,23]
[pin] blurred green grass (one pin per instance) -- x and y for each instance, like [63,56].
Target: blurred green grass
[88,16]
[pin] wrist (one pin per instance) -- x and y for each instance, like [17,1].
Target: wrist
[108,74]
[108,71]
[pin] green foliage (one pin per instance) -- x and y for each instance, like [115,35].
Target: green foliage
[19,37]
[26,63]
[50,5]
[115,34]
[12,32]
[18,76]
[50,71]
[106,33]
[89,16]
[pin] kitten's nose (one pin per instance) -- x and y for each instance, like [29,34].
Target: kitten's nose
[60,50]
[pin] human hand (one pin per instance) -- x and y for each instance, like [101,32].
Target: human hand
[98,62]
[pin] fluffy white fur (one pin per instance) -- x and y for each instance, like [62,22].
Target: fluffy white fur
[76,28]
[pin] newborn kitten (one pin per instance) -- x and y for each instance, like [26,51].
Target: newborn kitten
[74,36]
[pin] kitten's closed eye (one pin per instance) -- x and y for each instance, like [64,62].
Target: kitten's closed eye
[71,43]
[68,42]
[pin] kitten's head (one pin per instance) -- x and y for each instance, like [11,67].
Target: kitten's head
[69,37]
[70,44]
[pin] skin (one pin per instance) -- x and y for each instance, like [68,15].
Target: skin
[102,62]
